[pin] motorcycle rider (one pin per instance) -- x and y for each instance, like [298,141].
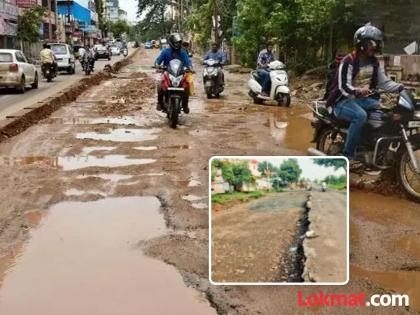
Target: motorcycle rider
[266,56]
[89,56]
[175,51]
[218,55]
[47,57]
[358,74]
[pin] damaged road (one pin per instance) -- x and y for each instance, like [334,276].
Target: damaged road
[105,147]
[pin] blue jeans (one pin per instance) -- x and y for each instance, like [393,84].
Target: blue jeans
[354,111]
[265,80]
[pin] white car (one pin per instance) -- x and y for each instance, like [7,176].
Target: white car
[16,72]
[115,50]
[64,56]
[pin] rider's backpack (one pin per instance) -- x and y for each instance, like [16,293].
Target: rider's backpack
[332,75]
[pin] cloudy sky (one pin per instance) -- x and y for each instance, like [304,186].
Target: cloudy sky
[309,169]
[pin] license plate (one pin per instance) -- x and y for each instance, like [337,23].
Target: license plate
[175,89]
[414,124]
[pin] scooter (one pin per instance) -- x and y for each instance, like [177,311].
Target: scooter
[212,74]
[280,91]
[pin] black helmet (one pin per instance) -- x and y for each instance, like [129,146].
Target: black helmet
[175,41]
[367,33]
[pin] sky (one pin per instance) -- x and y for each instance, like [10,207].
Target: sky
[309,169]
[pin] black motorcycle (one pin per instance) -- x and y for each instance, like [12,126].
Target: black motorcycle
[175,88]
[48,71]
[213,78]
[87,64]
[391,139]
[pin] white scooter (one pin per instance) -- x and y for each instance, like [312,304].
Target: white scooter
[280,91]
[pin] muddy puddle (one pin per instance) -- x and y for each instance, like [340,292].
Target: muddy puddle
[84,258]
[124,120]
[401,282]
[79,162]
[292,131]
[121,135]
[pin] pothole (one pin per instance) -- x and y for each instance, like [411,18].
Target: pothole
[121,135]
[87,252]
[75,163]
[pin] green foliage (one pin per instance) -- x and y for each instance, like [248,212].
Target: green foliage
[336,182]
[29,24]
[154,23]
[118,28]
[308,32]
[336,163]
[290,171]
[240,196]
[200,19]
[264,166]
[236,173]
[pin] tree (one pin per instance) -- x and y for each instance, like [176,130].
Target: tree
[236,173]
[100,11]
[29,23]
[264,166]
[154,23]
[336,163]
[118,28]
[290,171]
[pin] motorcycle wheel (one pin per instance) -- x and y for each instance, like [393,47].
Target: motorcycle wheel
[407,176]
[173,111]
[326,144]
[49,78]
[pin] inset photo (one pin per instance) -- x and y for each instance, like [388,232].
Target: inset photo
[279,220]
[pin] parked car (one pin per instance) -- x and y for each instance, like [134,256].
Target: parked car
[16,72]
[65,57]
[101,52]
[115,51]
[148,45]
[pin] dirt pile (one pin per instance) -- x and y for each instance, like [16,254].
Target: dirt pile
[129,96]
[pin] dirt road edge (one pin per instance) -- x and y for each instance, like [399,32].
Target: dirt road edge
[25,118]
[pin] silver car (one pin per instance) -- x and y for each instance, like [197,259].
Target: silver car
[16,72]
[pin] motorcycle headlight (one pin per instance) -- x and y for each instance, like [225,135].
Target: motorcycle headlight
[175,81]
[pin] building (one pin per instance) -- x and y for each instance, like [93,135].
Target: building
[398,19]
[80,23]
[8,23]
[112,10]
[122,15]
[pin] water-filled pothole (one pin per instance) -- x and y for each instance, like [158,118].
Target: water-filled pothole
[121,135]
[79,162]
[83,258]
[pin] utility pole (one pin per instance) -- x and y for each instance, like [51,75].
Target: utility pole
[216,22]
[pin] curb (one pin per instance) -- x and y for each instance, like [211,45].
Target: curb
[25,118]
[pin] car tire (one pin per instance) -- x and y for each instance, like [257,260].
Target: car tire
[36,83]
[22,87]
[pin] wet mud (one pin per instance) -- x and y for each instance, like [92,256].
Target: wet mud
[33,188]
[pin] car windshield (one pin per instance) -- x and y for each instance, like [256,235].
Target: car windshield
[59,49]
[6,57]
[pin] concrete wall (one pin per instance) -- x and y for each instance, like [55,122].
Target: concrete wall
[399,19]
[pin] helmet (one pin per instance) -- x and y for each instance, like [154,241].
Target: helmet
[175,41]
[368,33]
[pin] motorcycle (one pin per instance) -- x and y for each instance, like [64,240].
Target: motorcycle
[125,52]
[48,71]
[280,91]
[391,139]
[175,88]
[212,74]
[87,65]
